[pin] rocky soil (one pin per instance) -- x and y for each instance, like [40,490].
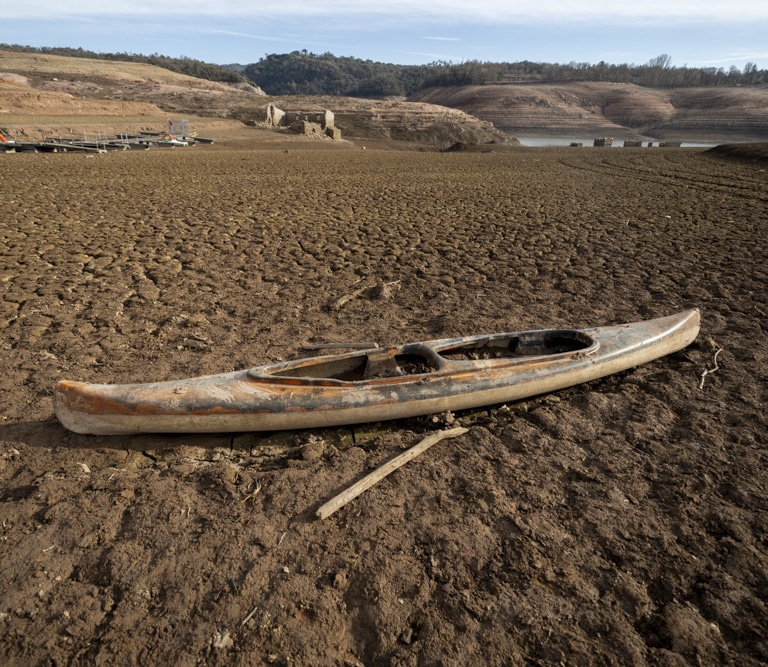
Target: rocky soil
[620,522]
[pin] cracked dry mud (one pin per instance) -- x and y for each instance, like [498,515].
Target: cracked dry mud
[620,522]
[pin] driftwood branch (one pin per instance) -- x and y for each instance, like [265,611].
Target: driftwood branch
[339,303]
[380,473]
[707,371]
[377,291]
[340,346]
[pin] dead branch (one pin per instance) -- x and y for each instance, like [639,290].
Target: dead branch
[340,346]
[380,473]
[340,303]
[707,371]
[379,291]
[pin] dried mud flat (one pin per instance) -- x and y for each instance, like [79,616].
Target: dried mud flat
[620,522]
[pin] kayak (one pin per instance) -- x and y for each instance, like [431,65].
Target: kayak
[373,385]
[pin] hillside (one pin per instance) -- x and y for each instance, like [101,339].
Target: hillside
[52,94]
[55,88]
[621,110]
[389,120]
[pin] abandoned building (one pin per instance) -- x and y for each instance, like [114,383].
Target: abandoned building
[310,123]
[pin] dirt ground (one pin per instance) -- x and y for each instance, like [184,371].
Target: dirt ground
[621,522]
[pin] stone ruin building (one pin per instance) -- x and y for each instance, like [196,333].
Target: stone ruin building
[309,123]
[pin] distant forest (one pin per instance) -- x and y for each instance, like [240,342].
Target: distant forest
[305,73]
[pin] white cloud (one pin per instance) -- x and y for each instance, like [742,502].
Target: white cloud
[480,11]
[733,57]
[244,35]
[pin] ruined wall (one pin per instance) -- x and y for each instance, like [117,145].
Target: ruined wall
[306,128]
[310,123]
[274,115]
[324,119]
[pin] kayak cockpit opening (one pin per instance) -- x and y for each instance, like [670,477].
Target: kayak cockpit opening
[419,359]
[527,344]
[344,369]
[377,364]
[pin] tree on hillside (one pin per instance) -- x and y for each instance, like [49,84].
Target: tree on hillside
[662,61]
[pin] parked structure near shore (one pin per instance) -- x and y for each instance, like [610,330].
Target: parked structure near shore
[176,134]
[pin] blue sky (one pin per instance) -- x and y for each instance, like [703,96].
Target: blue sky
[696,33]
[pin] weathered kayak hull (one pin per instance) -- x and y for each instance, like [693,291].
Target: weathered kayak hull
[373,385]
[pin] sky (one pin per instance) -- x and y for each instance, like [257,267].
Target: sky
[693,33]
